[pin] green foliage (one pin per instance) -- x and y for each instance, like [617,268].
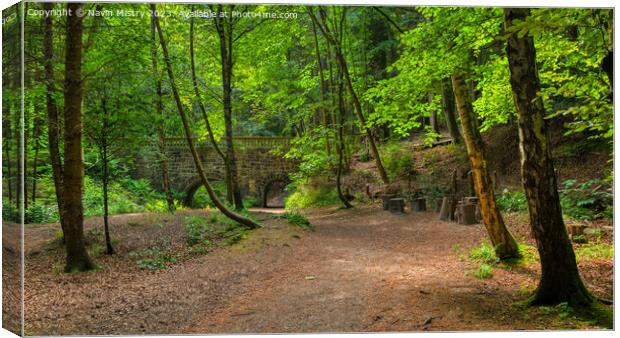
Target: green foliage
[484,271]
[153,259]
[9,211]
[41,213]
[298,219]
[588,200]
[308,196]
[484,253]
[590,251]
[196,229]
[512,201]
[201,197]
[397,160]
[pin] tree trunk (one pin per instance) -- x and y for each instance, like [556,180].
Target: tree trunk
[349,84]
[323,90]
[73,180]
[224,28]
[505,245]
[341,148]
[105,178]
[199,99]
[433,118]
[448,109]
[6,146]
[161,132]
[234,216]
[560,281]
[36,134]
[53,128]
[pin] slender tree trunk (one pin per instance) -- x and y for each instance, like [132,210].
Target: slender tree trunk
[224,28]
[24,168]
[324,113]
[73,180]
[356,103]
[433,117]
[105,178]
[560,281]
[448,108]
[161,132]
[341,148]
[53,127]
[230,214]
[228,171]
[36,134]
[6,139]
[505,245]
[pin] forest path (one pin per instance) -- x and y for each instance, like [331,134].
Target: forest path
[361,270]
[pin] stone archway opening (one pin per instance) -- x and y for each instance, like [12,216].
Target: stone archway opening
[274,193]
[196,196]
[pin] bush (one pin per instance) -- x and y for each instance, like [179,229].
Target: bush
[153,259]
[9,212]
[594,251]
[484,271]
[397,160]
[587,200]
[484,253]
[512,201]
[306,196]
[298,220]
[40,213]
[196,228]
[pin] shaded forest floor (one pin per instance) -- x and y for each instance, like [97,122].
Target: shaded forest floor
[360,270]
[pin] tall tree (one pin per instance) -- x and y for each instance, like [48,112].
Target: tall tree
[505,245]
[331,39]
[161,131]
[560,281]
[188,135]
[73,178]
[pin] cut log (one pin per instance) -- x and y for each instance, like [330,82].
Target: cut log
[386,198]
[418,204]
[397,205]
[448,206]
[466,213]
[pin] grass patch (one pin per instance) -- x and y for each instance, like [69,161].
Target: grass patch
[484,253]
[153,259]
[590,251]
[484,271]
[565,316]
[306,196]
[297,219]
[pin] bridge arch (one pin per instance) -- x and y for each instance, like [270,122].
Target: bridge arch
[271,189]
[192,187]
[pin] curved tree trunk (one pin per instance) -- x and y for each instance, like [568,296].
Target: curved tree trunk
[230,214]
[505,245]
[73,180]
[560,281]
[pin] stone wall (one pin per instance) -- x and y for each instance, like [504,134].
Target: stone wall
[258,164]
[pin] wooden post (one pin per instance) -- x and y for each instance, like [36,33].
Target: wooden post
[447,208]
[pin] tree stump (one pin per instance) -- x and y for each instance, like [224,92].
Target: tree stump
[576,229]
[386,198]
[397,205]
[448,205]
[437,205]
[466,213]
[418,204]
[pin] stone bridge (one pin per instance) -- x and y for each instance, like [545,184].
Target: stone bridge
[261,172]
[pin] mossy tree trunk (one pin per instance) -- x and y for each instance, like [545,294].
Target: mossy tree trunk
[560,281]
[73,180]
[505,245]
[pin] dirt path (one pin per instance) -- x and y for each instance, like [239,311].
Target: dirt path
[360,270]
